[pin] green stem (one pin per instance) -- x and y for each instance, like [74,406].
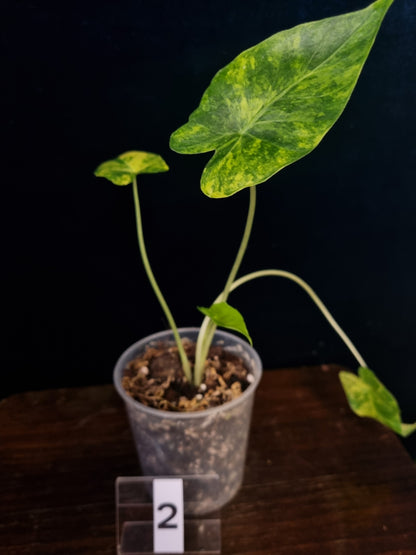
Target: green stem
[243,245]
[208,327]
[314,297]
[184,359]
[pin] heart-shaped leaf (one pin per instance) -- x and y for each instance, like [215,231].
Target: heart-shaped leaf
[367,396]
[123,169]
[275,102]
[228,317]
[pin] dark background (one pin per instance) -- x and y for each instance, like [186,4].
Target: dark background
[86,81]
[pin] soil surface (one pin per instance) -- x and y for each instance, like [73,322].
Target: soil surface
[156,379]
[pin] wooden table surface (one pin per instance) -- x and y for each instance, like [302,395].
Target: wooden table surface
[318,479]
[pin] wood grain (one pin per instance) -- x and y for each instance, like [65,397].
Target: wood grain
[318,479]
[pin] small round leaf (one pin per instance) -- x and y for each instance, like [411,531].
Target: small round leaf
[123,169]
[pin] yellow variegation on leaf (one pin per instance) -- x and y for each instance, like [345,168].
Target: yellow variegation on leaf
[123,169]
[274,103]
[368,397]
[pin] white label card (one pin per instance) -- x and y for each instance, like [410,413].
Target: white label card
[168,536]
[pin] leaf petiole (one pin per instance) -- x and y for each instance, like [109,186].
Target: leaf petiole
[208,327]
[313,296]
[184,359]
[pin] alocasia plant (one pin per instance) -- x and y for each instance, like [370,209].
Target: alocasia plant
[266,109]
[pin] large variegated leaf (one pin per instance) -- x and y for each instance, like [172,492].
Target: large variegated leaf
[367,396]
[274,103]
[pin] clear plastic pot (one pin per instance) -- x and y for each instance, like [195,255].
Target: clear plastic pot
[212,441]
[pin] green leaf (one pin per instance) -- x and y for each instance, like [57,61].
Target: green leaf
[123,169]
[367,396]
[228,317]
[274,103]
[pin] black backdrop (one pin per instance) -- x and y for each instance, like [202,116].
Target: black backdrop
[85,81]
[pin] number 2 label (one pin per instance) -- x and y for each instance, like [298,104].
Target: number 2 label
[168,534]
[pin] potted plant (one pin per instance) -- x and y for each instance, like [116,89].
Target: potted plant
[266,109]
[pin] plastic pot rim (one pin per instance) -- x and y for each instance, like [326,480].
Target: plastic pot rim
[131,352]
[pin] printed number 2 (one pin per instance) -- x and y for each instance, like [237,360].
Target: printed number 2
[165,523]
[168,517]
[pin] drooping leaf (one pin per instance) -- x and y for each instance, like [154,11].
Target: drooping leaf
[124,168]
[228,317]
[367,396]
[274,103]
